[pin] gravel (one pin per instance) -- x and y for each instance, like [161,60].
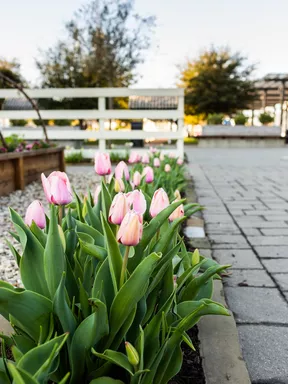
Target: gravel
[19,200]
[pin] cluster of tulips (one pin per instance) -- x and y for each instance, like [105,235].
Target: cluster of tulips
[109,288]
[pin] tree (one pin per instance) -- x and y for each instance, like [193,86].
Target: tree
[217,82]
[10,69]
[105,43]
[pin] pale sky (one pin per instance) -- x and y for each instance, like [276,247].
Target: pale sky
[258,28]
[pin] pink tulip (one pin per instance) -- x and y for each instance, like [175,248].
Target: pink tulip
[57,188]
[136,179]
[149,174]
[35,212]
[131,229]
[179,212]
[153,149]
[134,157]
[118,209]
[119,185]
[159,202]
[102,164]
[171,155]
[180,161]
[167,168]
[156,162]
[137,201]
[145,158]
[122,170]
[97,193]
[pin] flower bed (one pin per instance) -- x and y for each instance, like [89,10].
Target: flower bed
[17,169]
[111,290]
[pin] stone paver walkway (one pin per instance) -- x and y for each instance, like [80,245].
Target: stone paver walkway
[245,192]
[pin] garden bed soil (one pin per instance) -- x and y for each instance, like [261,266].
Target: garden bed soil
[191,371]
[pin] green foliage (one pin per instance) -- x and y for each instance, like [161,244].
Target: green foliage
[190,141]
[118,156]
[266,118]
[240,119]
[215,119]
[217,82]
[76,322]
[18,123]
[74,157]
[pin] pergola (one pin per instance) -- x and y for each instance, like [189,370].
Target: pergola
[271,90]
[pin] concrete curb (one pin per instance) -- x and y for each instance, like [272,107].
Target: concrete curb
[219,343]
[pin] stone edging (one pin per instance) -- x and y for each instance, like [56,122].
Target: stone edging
[219,343]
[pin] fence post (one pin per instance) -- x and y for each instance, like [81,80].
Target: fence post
[101,108]
[180,123]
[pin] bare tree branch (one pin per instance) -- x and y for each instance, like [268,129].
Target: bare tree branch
[32,102]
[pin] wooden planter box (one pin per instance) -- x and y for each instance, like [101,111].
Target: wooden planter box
[20,169]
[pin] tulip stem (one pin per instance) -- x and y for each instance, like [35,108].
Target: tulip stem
[124,265]
[104,179]
[60,214]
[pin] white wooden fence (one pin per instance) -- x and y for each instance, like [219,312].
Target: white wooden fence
[101,114]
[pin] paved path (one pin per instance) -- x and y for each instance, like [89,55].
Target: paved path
[245,192]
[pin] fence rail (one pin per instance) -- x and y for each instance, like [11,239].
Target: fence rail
[101,114]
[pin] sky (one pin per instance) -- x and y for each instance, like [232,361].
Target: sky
[257,28]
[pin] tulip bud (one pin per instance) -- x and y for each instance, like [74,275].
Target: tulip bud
[162,156]
[159,202]
[97,193]
[118,209]
[122,169]
[195,258]
[132,354]
[149,174]
[136,179]
[119,185]
[180,161]
[131,229]
[156,162]
[134,158]
[179,212]
[145,158]
[167,168]
[171,155]
[175,281]
[153,149]
[137,201]
[57,188]
[102,164]
[177,194]
[35,212]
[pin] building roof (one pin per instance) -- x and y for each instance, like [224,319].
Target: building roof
[16,105]
[153,102]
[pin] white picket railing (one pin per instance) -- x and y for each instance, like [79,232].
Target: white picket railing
[101,114]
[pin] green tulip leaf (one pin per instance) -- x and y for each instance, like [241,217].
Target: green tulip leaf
[30,309]
[54,256]
[117,358]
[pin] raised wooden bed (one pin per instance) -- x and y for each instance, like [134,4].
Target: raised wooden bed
[20,169]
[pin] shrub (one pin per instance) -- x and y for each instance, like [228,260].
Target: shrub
[101,304]
[240,119]
[74,157]
[18,123]
[215,119]
[266,118]
[191,140]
